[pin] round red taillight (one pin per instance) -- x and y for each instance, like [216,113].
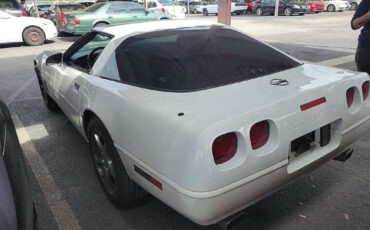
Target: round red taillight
[365,90]
[259,134]
[350,95]
[224,147]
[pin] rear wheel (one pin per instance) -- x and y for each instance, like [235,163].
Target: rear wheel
[109,167]
[353,6]
[100,24]
[33,36]
[259,11]
[195,11]
[205,12]
[331,8]
[239,12]
[288,11]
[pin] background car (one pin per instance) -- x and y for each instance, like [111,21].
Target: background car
[42,8]
[335,5]
[13,7]
[204,117]
[353,4]
[17,210]
[167,7]
[316,6]
[237,7]
[194,7]
[250,4]
[106,13]
[32,31]
[286,7]
[65,9]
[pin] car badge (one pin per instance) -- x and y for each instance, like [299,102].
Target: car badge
[279,82]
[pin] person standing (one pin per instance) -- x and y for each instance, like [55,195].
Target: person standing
[361,19]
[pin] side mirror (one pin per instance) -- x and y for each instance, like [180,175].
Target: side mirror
[54,59]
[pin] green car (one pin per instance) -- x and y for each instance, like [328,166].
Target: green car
[104,13]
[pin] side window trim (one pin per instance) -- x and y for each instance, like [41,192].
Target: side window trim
[78,45]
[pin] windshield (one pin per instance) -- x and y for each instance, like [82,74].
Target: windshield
[196,58]
[94,7]
[168,3]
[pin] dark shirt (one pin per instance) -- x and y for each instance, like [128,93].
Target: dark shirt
[362,9]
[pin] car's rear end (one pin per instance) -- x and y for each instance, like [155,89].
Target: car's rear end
[66,10]
[239,6]
[173,8]
[316,6]
[226,120]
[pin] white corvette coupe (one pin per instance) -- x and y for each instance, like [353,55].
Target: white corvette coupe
[32,31]
[202,116]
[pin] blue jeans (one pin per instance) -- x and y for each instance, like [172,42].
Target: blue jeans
[362,58]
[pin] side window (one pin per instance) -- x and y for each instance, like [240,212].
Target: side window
[87,51]
[138,10]
[117,9]
[152,5]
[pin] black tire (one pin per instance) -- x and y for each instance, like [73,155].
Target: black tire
[49,102]
[259,11]
[216,14]
[330,8]
[100,24]
[163,19]
[301,14]
[109,167]
[205,12]
[239,12]
[195,11]
[288,11]
[33,36]
[353,6]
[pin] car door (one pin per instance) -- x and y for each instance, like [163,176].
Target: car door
[9,23]
[118,13]
[141,14]
[71,74]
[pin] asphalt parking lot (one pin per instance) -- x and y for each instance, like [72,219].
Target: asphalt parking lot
[68,194]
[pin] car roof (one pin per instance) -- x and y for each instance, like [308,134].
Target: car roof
[122,30]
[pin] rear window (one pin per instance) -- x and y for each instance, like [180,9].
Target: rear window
[196,58]
[94,7]
[9,4]
[72,7]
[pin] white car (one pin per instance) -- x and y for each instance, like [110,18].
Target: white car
[335,5]
[209,129]
[33,31]
[237,7]
[167,7]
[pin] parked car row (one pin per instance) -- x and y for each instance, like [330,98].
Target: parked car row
[262,7]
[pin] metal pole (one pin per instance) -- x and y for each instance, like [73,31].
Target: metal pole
[224,12]
[36,8]
[276,7]
[188,7]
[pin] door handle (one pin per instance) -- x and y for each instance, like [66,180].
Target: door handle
[76,86]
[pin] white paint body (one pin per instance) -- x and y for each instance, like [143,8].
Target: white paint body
[12,27]
[176,10]
[177,150]
[212,8]
[339,4]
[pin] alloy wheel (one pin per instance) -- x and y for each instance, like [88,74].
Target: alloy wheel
[103,163]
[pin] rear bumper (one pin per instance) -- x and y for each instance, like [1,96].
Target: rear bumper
[78,30]
[210,207]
